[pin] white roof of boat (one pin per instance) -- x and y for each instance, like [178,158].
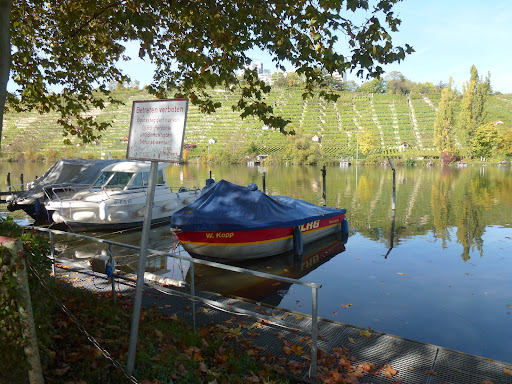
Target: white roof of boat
[132,166]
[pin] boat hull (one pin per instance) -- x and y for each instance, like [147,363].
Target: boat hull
[118,211]
[252,244]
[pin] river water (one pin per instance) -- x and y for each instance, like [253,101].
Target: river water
[437,269]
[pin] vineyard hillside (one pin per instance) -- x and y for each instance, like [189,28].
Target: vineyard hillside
[398,123]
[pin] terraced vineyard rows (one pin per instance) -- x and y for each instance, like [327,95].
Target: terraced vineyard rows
[398,123]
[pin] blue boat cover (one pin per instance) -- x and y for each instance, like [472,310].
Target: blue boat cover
[225,206]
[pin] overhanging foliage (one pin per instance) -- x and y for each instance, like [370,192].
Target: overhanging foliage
[195,45]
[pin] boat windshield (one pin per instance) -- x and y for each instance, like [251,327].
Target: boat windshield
[142,179]
[102,179]
[113,179]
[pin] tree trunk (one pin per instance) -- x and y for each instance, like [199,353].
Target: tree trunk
[35,374]
[5,56]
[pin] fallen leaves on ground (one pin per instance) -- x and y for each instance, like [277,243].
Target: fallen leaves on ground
[341,367]
[170,353]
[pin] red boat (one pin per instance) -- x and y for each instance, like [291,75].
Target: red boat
[231,222]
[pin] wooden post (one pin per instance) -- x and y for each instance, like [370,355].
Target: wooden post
[324,188]
[22,183]
[9,181]
[264,184]
[393,204]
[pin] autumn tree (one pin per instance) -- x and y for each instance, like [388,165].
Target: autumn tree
[505,142]
[485,140]
[367,141]
[444,123]
[65,53]
[475,93]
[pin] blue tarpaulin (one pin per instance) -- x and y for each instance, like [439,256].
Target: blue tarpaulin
[225,206]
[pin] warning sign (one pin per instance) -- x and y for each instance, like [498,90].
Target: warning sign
[157,130]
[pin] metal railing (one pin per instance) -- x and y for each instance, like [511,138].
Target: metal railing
[192,294]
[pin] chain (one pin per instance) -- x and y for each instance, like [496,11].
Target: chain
[94,342]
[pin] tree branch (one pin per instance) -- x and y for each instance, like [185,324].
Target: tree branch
[94,17]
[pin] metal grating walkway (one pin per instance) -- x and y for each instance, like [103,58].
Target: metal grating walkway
[417,363]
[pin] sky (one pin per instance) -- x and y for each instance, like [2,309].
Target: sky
[449,36]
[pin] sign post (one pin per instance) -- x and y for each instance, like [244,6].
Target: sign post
[157,131]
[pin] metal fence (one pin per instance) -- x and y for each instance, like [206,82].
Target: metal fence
[191,294]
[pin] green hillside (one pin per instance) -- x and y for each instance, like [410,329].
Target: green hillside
[393,119]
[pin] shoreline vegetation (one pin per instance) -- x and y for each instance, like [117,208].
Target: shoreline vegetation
[411,128]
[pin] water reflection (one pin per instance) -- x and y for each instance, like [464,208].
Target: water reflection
[207,278]
[444,280]
[227,283]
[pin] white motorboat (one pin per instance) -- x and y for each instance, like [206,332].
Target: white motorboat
[117,199]
[65,177]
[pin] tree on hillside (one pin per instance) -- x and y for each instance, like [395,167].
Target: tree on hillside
[505,142]
[302,150]
[425,88]
[444,123]
[472,109]
[485,140]
[377,85]
[75,47]
[367,141]
[398,84]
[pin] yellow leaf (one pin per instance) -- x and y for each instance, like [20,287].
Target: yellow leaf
[401,273]
[159,334]
[256,325]
[236,331]
[507,371]
[298,350]
[345,305]
[389,372]
[365,333]
[298,317]
[351,340]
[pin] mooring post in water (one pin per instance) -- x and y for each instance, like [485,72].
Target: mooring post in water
[393,205]
[9,181]
[264,184]
[323,186]
[21,181]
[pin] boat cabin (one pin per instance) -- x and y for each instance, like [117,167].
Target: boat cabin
[128,175]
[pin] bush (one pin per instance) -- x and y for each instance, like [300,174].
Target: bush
[52,155]
[448,158]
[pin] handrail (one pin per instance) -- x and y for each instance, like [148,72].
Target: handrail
[192,296]
[51,191]
[188,258]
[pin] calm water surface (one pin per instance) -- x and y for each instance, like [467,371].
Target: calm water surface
[438,270]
